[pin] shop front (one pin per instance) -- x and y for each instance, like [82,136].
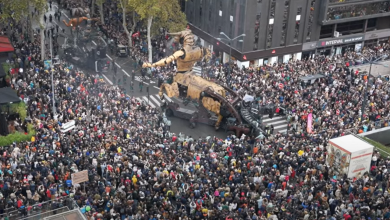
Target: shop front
[333,46]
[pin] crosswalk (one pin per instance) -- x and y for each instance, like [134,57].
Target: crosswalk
[279,122]
[153,100]
[145,79]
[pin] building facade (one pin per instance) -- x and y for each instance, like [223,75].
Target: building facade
[279,30]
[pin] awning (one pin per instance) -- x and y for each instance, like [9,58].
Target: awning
[5,45]
[8,95]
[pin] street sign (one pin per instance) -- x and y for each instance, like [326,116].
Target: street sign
[213,155]
[68,126]
[80,177]
[337,112]
[281,85]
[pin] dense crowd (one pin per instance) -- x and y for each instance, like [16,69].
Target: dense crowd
[138,169]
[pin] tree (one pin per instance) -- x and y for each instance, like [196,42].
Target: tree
[19,10]
[167,12]
[100,4]
[129,27]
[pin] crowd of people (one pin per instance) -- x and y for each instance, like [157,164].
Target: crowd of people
[138,169]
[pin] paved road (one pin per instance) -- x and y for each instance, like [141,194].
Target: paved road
[124,70]
[379,68]
[124,64]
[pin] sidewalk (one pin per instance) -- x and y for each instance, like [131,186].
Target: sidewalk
[378,68]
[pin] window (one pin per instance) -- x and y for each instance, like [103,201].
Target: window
[271,23]
[311,18]
[257,31]
[350,11]
[371,24]
[297,23]
[326,31]
[348,28]
[191,16]
[284,26]
[231,29]
[257,26]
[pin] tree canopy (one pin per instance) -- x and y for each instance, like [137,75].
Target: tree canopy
[165,13]
[20,9]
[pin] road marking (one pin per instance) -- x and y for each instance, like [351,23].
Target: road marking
[94,43]
[63,13]
[125,72]
[283,131]
[109,81]
[58,25]
[108,56]
[273,119]
[280,126]
[167,97]
[150,103]
[118,66]
[156,87]
[155,100]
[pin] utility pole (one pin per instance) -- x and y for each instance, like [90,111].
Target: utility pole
[52,77]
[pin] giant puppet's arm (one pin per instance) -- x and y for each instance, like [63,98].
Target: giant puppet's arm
[166,60]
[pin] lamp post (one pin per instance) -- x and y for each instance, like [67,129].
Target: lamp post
[51,70]
[366,89]
[230,40]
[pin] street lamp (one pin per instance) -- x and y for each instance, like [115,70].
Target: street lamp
[365,90]
[51,70]
[229,40]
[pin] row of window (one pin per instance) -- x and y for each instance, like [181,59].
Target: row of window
[350,11]
[285,22]
[347,28]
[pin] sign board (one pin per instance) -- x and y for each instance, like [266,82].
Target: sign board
[281,85]
[346,40]
[349,155]
[47,64]
[377,34]
[80,177]
[68,126]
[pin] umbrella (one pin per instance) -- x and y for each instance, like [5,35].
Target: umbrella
[248,98]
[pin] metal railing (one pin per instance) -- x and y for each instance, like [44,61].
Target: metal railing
[52,206]
[39,214]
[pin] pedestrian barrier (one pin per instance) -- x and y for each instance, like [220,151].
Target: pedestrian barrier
[41,210]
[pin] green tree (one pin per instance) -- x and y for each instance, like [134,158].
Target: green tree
[128,25]
[101,11]
[166,12]
[20,11]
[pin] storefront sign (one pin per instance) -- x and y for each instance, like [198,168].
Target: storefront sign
[80,177]
[338,41]
[377,34]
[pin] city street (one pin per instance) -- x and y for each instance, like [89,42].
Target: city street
[124,64]
[124,69]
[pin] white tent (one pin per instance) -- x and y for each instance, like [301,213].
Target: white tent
[349,155]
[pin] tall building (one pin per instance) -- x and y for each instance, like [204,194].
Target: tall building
[278,30]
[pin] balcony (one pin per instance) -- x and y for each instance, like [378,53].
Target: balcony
[348,11]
